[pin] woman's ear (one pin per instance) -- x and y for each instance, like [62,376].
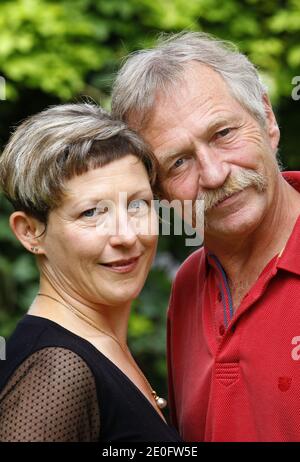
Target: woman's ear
[28,231]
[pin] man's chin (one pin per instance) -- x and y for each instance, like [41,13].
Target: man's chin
[237,223]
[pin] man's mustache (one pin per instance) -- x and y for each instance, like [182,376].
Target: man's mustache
[236,182]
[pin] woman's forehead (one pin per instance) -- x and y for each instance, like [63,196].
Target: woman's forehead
[124,174]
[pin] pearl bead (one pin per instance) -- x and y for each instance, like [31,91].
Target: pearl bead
[161,403]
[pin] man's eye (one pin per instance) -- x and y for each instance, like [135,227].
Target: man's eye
[223,133]
[178,163]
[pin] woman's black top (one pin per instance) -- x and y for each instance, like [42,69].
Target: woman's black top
[56,386]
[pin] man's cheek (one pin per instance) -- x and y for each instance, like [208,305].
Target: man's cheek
[185,187]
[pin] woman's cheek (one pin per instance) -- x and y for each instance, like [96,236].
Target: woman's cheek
[86,242]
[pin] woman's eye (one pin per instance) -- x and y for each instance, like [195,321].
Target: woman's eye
[138,206]
[95,211]
[89,213]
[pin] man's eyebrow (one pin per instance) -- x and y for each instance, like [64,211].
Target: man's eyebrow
[173,154]
[219,122]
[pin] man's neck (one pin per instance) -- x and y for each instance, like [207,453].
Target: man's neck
[243,259]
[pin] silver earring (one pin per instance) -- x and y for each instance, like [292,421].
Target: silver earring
[34,249]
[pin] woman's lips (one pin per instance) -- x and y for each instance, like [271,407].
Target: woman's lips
[122,266]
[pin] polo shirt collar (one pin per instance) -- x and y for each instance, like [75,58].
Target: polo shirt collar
[290,257]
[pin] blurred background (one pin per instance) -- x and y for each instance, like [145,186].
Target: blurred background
[54,51]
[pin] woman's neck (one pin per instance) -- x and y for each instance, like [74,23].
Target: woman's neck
[83,318]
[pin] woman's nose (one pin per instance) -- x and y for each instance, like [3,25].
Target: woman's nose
[125,234]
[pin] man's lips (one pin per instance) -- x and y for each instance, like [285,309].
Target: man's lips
[227,200]
[122,266]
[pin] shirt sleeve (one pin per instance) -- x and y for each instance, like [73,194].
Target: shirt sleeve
[50,397]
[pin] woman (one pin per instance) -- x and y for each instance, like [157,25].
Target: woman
[80,184]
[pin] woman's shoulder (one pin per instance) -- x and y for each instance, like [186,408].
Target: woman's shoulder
[37,342]
[52,367]
[54,394]
[56,388]
[35,333]
[47,388]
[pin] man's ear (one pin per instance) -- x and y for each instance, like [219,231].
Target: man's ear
[272,126]
[28,231]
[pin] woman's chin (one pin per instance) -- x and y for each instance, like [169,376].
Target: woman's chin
[120,296]
[118,289]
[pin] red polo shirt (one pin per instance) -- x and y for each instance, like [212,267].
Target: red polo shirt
[236,377]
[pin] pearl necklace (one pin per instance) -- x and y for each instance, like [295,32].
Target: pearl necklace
[160,402]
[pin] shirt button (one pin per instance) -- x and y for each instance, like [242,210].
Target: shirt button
[221,330]
[219,296]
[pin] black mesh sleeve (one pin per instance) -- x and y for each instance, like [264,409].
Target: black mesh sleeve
[50,397]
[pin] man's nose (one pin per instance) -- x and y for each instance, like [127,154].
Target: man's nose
[213,169]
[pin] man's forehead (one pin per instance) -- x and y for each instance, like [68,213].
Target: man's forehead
[196,83]
[170,138]
[199,87]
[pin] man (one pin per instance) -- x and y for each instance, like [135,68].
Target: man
[234,315]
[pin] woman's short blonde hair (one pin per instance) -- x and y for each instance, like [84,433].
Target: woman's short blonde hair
[53,146]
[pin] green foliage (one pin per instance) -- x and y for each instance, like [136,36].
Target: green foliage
[53,51]
[62,47]
[147,327]
[50,45]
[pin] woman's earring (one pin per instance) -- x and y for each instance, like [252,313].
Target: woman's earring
[34,249]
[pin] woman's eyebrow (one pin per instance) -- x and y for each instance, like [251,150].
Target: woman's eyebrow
[97,198]
[72,202]
[140,192]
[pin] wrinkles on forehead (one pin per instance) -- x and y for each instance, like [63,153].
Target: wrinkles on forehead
[200,87]
[180,84]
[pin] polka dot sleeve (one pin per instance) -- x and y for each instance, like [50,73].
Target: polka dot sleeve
[50,397]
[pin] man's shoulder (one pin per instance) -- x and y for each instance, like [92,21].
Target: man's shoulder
[190,268]
[187,283]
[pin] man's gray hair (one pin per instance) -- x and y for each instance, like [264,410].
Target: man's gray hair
[151,71]
[59,143]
